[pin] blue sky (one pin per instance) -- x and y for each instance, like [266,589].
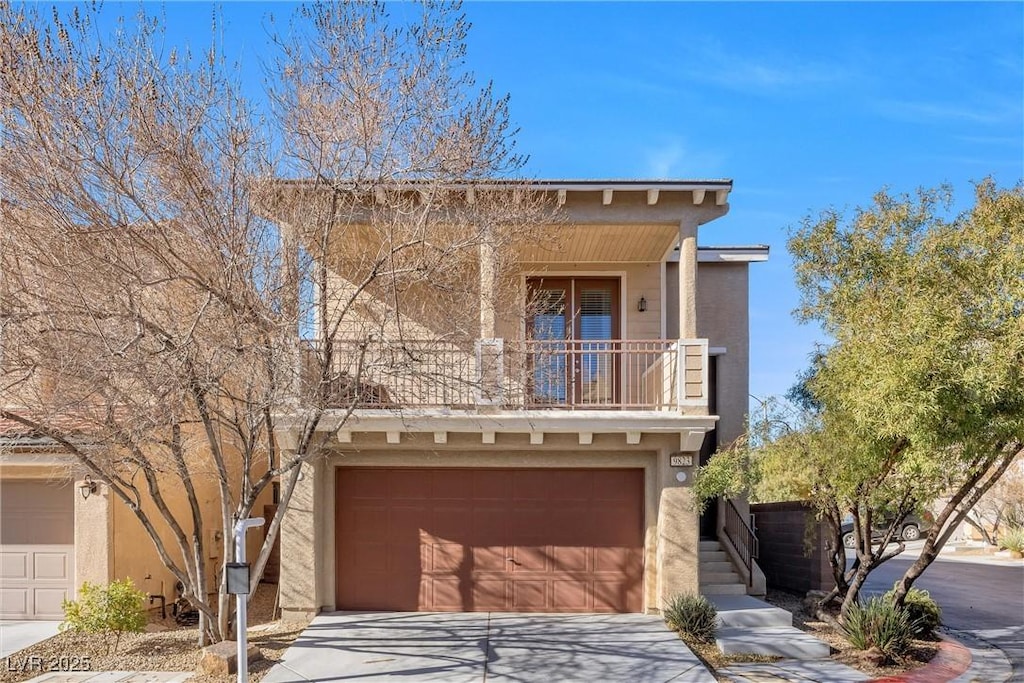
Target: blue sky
[804,105]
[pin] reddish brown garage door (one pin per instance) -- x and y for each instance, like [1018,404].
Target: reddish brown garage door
[530,540]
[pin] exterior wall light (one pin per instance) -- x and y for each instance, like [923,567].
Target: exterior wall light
[641,305]
[87,487]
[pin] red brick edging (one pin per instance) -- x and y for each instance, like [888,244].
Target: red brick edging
[950,661]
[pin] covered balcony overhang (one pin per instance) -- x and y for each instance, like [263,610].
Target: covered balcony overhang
[535,425]
[595,221]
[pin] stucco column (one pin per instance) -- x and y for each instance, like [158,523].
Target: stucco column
[93,537]
[301,546]
[688,279]
[678,528]
[487,325]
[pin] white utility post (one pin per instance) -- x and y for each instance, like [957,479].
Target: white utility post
[241,601]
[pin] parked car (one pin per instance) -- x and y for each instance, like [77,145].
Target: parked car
[910,529]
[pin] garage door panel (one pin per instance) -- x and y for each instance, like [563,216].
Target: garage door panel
[489,594]
[490,558]
[14,601]
[530,559]
[49,601]
[529,595]
[52,566]
[571,596]
[609,594]
[447,557]
[450,551]
[14,565]
[571,559]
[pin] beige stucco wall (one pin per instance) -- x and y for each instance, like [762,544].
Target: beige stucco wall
[308,536]
[723,318]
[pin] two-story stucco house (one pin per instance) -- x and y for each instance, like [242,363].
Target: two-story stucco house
[562,484]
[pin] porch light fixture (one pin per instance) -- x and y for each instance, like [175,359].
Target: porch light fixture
[641,305]
[87,487]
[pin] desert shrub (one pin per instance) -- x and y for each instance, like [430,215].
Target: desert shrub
[924,613]
[693,616]
[114,609]
[1012,539]
[879,624]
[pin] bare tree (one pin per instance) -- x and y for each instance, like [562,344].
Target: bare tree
[180,269]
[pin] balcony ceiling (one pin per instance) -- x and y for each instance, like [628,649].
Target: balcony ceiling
[605,244]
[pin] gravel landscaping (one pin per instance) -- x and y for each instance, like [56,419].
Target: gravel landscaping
[921,651]
[164,647]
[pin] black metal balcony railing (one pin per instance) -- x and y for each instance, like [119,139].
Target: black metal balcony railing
[652,374]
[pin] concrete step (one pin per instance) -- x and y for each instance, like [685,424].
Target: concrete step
[716,567]
[719,577]
[723,589]
[710,545]
[713,556]
[744,610]
[777,641]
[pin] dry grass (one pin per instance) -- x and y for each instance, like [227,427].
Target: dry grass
[165,646]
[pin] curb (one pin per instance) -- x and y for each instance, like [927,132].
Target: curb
[952,660]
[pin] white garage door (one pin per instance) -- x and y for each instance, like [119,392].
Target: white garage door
[37,536]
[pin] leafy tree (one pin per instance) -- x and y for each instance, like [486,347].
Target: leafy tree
[919,396]
[925,373]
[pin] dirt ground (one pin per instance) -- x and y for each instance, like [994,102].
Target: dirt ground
[165,646]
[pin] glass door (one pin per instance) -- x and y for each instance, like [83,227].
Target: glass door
[573,328]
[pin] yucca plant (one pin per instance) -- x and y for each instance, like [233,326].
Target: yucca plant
[693,616]
[879,624]
[1012,539]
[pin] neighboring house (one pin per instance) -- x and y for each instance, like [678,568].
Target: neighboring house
[561,482]
[60,528]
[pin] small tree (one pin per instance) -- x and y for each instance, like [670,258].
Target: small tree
[114,609]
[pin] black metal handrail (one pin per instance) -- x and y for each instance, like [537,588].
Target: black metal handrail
[742,538]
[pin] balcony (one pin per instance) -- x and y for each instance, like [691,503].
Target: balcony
[497,374]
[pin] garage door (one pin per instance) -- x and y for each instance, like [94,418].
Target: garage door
[525,540]
[37,536]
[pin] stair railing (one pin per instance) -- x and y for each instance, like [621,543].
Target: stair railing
[742,538]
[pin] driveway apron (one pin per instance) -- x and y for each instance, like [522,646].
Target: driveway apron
[477,647]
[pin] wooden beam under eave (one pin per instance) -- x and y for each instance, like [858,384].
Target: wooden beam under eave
[561,197]
[606,196]
[586,438]
[536,438]
[632,438]
[487,437]
[721,196]
[440,437]
[344,436]
[652,196]
[380,195]
[698,197]
[471,196]
[394,437]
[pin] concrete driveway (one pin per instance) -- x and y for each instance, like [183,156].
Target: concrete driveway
[17,635]
[376,646]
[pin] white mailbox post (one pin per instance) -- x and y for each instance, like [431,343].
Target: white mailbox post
[241,599]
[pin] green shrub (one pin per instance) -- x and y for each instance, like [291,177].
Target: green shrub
[693,616]
[879,624]
[1012,539]
[924,613]
[112,609]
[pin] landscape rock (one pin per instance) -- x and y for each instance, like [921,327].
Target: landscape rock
[221,659]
